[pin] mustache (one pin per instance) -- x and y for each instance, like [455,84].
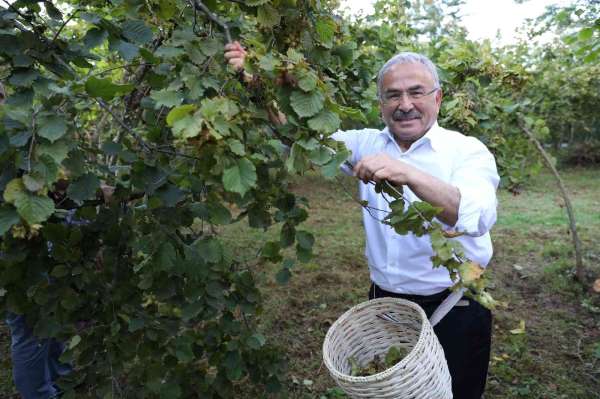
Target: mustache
[400,115]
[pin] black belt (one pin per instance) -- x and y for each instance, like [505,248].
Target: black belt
[420,299]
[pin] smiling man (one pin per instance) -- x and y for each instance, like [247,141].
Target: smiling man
[444,168]
[448,170]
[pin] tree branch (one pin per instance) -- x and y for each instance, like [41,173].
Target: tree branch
[199,5]
[145,146]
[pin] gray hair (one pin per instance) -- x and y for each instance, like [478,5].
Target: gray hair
[407,57]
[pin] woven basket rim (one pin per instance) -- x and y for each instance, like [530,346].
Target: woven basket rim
[383,374]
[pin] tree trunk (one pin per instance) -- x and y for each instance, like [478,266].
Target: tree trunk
[579,270]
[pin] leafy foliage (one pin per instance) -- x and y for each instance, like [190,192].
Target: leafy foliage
[136,95]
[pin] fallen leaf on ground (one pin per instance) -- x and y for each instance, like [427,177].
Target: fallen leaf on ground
[520,329]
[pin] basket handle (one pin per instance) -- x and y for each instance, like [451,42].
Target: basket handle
[446,306]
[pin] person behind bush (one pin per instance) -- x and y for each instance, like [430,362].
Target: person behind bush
[35,362]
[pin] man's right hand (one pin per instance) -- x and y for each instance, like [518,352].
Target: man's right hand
[235,55]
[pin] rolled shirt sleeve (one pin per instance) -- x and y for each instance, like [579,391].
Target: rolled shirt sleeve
[477,179]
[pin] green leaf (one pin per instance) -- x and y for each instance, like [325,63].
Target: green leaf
[8,218]
[307,104]
[23,78]
[105,88]
[94,37]
[241,177]
[170,195]
[271,251]
[137,31]
[136,324]
[325,28]
[167,9]
[305,239]
[84,187]
[52,11]
[210,250]
[215,212]
[179,112]
[33,183]
[283,276]
[325,122]
[256,341]
[346,53]
[53,128]
[211,47]
[35,209]
[14,190]
[58,150]
[126,50]
[320,155]
[213,107]
[74,342]
[310,144]
[46,169]
[111,148]
[169,52]
[183,351]
[585,34]
[308,81]
[60,271]
[269,62]
[170,390]
[268,16]
[331,169]
[166,98]
[596,351]
[287,235]
[236,147]
[187,127]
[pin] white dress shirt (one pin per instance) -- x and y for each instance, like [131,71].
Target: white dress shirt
[401,263]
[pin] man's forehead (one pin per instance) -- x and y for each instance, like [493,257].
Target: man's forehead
[410,74]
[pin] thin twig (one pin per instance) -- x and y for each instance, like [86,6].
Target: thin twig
[199,5]
[123,124]
[119,67]
[368,208]
[579,267]
[65,24]
[31,144]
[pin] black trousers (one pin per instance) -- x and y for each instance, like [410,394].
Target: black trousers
[465,333]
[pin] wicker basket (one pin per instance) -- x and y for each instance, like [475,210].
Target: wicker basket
[367,330]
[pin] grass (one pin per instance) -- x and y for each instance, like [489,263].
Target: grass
[557,356]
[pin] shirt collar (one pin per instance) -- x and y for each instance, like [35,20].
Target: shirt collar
[434,137]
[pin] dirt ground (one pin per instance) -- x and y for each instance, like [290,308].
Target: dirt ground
[556,354]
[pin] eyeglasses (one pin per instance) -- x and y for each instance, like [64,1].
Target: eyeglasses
[395,97]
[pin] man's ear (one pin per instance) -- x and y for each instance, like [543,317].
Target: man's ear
[438,97]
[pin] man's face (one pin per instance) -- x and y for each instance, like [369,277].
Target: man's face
[408,118]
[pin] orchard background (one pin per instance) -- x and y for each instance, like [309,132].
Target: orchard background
[229,244]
